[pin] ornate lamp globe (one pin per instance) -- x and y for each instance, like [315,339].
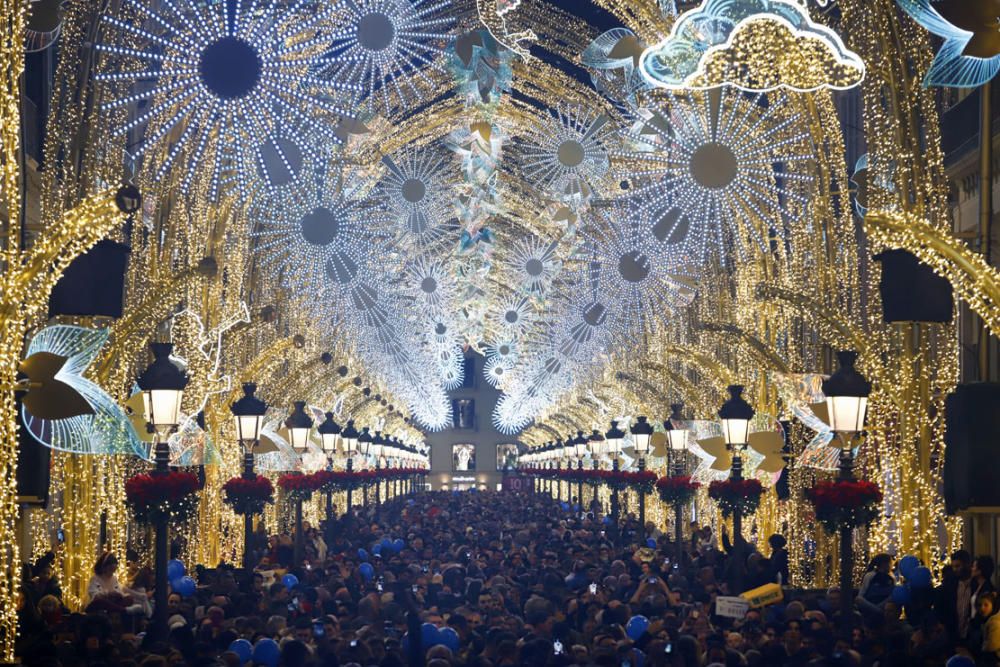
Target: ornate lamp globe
[735,415]
[350,437]
[558,449]
[328,431]
[641,432]
[847,393]
[595,443]
[162,385]
[677,437]
[580,445]
[248,414]
[299,424]
[378,446]
[614,437]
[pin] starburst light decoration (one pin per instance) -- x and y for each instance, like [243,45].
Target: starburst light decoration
[715,165]
[566,154]
[417,194]
[228,76]
[533,263]
[380,46]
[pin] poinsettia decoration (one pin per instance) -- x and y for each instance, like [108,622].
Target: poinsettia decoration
[730,494]
[298,486]
[679,489]
[845,503]
[248,495]
[155,497]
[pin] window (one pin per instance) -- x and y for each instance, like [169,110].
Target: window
[506,457]
[463,413]
[463,458]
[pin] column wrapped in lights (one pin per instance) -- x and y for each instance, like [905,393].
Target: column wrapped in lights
[162,385]
[642,432]
[248,416]
[299,425]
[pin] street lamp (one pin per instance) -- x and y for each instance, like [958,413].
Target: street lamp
[615,437]
[642,432]
[299,424]
[248,415]
[579,451]
[677,440]
[364,446]
[596,445]
[329,431]
[350,438]
[376,449]
[847,394]
[556,454]
[162,385]
[735,415]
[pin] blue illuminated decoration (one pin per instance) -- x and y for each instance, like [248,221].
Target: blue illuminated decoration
[107,430]
[970,55]
[708,34]
[234,94]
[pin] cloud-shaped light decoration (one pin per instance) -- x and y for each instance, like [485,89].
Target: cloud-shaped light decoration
[107,430]
[970,55]
[755,45]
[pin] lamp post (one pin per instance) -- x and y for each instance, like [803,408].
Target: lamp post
[162,385]
[299,424]
[614,437]
[350,437]
[329,433]
[677,444]
[735,415]
[847,394]
[579,450]
[364,445]
[557,453]
[375,449]
[596,445]
[248,414]
[641,431]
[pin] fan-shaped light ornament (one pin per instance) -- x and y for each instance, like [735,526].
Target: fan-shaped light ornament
[533,263]
[227,76]
[515,317]
[106,428]
[383,46]
[718,168]
[970,55]
[417,194]
[495,370]
[566,155]
[802,394]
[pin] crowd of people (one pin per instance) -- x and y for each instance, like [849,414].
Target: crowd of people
[482,579]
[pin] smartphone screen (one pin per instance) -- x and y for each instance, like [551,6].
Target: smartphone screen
[318,630]
[593,589]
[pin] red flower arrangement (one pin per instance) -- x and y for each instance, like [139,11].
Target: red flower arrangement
[298,486]
[155,497]
[845,503]
[731,494]
[678,490]
[248,496]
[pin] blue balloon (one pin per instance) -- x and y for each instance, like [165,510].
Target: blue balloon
[429,635]
[907,564]
[367,571]
[606,520]
[564,505]
[921,578]
[411,501]
[185,586]
[362,554]
[651,542]
[636,626]
[377,549]
[266,652]
[901,595]
[386,543]
[175,569]
[449,638]
[290,581]
[398,544]
[242,648]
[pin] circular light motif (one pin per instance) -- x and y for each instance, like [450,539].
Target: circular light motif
[417,195]
[533,264]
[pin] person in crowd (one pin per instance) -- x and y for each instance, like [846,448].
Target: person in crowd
[876,585]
